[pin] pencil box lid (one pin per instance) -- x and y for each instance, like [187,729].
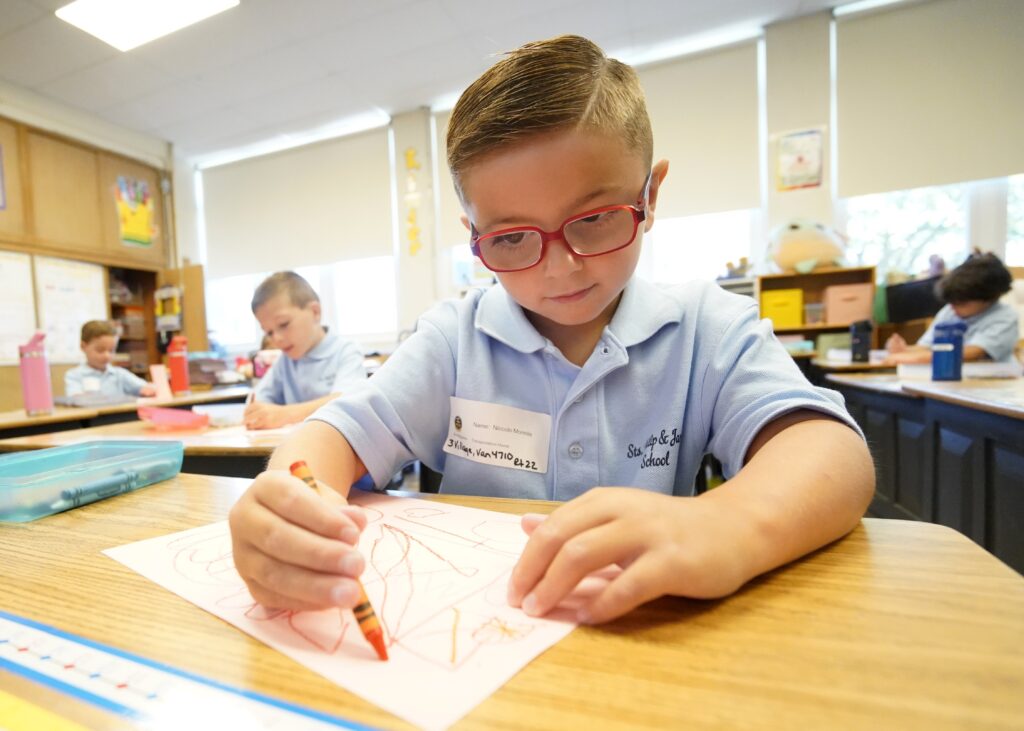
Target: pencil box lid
[42,482]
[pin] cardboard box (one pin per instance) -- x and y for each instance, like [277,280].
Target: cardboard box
[784,307]
[846,303]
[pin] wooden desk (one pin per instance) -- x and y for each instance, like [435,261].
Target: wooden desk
[127,411]
[899,625]
[18,423]
[228,452]
[946,452]
[1004,396]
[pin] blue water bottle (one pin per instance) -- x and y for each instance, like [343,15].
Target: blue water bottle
[948,351]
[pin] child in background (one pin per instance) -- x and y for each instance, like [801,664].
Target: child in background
[611,388]
[96,375]
[971,292]
[316,366]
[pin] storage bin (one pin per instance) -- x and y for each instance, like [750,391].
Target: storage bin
[46,481]
[848,303]
[814,313]
[784,307]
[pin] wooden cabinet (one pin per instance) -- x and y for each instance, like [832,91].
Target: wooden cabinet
[813,286]
[65,195]
[71,200]
[131,210]
[12,206]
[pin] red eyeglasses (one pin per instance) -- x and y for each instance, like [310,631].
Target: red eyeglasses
[593,233]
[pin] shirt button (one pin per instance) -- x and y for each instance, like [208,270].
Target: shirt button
[575,450]
[606,350]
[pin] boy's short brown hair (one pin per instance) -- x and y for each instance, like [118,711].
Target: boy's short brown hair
[982,277]
[97,329]
[560,83]
[299,291]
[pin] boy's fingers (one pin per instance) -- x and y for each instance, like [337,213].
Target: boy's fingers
[298,547]
[297,504]
[284,586]
[546,541]
[637,584]
[580,556]
[530,521]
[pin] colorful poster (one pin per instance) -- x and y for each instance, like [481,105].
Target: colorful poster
[135,213]
[799,160]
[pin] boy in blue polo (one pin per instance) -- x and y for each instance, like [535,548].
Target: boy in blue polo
[97,376]
[572,380]
[316,366]
[971,292]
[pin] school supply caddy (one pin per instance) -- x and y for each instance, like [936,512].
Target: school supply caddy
[47,481]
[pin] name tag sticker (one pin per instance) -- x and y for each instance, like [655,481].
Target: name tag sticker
[498,435]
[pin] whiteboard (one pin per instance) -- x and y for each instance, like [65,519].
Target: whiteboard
[69,293]
[18,320]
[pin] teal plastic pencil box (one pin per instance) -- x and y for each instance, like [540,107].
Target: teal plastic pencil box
[47,481]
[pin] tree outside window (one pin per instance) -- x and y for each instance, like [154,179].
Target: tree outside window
[897,232]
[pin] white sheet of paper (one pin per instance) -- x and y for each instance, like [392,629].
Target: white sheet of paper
[437,577]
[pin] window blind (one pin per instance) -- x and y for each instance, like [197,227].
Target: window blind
[929,94]
[316,204]
[704,113]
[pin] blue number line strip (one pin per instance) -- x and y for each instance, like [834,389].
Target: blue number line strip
[126,711]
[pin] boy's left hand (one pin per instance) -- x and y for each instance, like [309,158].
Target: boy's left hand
[260,415]
[666,545]
[147,391]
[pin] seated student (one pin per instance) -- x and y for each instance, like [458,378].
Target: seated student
[615,387]
[316,366]
[971,292]
[96,375]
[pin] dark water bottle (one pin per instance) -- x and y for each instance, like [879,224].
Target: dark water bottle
[948,351]
[860,341]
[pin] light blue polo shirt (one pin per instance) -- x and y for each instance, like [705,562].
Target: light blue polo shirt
[679,371]
[334,365]
[995,330]
[115,382]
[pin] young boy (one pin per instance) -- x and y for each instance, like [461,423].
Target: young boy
[608,390]
[972,293]
[316,366]
[96,375]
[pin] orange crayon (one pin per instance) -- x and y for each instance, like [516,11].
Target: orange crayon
[369,625]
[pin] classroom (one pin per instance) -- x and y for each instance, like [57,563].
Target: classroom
[766,469]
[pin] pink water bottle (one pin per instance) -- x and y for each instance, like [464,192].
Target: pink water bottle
[35,376]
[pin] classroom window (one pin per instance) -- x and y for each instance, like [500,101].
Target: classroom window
[228,316]
[697,247]
[363,297]
[899,231]
[1015,221]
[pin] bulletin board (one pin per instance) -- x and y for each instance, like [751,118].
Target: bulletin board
[17,304]
[68,293]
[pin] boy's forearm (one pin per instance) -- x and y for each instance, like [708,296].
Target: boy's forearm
[327,453]
[809,485]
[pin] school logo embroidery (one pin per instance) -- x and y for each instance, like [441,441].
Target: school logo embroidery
[651,454]
[458,423]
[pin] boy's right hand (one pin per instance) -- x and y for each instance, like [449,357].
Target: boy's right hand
[295,549]
[896,343]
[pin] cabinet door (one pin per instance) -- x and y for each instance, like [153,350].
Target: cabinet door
[12,212]
[65,195]
[131,206]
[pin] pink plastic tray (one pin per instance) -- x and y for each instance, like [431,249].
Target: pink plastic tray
[162,418]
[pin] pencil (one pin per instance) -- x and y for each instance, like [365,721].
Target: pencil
[369,625]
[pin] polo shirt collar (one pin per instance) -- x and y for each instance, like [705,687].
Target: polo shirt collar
[643,310]
[322,349]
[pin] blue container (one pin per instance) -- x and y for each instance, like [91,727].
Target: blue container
[47,481]
[948,351]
